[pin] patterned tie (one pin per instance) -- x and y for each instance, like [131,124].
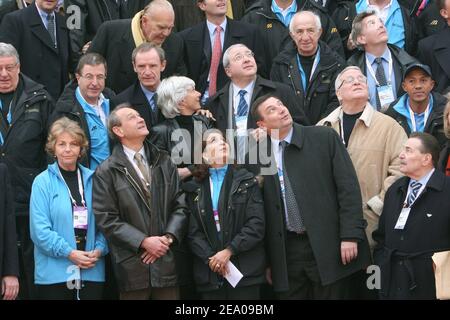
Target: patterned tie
[242,109]
[415,187]
[153,110]
[51,27]
[381,78]
[295,221]
[142,167]
[215,60]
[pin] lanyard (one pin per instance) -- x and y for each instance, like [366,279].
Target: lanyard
[8,120]
[372,73]
[80,189]
[314,67]
[413,119]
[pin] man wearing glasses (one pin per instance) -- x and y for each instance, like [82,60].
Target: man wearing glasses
[25,107]
[374,143]
[87,102]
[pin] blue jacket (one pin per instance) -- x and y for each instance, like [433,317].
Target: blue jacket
[51,229]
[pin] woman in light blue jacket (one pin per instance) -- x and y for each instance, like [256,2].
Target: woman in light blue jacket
[69,249]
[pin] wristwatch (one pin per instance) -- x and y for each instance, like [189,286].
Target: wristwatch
[169,237]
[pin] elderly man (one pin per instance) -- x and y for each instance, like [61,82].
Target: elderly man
[42,39]
[414,223]
[86,101]
[373,140]
[315,227]
[231,105]
[25,110]
[149,61]
[273,17]
[115,40]
[309,66]
[420,109]
[383,64]
[139,208]
[205,42]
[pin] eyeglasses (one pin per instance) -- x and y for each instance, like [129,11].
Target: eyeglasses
[351,80]
[91,77]
[241,56]
[9,68]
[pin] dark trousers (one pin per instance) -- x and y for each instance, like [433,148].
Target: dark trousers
[26,259]
[59,291]
[227,292]
[169,293]
[303,273]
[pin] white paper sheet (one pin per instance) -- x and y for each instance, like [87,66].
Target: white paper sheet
[234,275]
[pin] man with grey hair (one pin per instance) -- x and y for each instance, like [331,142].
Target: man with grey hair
[309,66]
[115,40]
[140,209]
[86,101]
[24,118]
[149,61]
[373,140]
[230,106]
[383,64]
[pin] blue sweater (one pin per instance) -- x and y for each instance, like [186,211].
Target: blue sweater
[51,229]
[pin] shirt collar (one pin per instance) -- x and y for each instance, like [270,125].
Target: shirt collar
[43,14]
[131,153]
[376,7]
[288,138]
[248,88]
[372,58]
[212,27]
[292,8]
[425,178]
[146,91]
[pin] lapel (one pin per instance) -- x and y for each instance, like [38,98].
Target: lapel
[441,50]
[37,27]
[223,106]
[204,42]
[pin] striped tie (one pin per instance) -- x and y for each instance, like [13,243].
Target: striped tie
[415,187]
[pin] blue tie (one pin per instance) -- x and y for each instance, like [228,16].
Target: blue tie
[415,187]
[242,109]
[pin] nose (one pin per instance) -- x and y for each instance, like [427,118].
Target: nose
[3,72]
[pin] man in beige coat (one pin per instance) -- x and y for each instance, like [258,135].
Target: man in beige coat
[373,141]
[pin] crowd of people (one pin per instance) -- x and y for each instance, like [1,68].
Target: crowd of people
[158,149]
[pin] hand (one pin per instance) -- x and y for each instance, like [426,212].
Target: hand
[349,251]
[259,134]
[184,173]
[218,262]
[10,287]
[156,246]
[83,259]
[148,258]
[95,254]
[269,276]
[206,113]
[86,47]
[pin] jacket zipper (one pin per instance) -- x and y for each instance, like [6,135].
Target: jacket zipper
[201,219]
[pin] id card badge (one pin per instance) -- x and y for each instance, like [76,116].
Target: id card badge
[400,225]
[386,96]
[80,217]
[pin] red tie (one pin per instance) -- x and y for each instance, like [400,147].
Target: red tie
[215,60]
[421,7]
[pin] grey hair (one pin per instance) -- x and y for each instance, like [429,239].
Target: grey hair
[114,120]
[170,93]
[339,80]
[357,26]
[226,54]
[162,4]
[146,47]
[7,50]
[90,59]
[316,18]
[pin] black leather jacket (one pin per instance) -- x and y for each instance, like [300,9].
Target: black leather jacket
[126,217]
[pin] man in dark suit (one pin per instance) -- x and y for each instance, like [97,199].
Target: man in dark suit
[434,51]
[148,62]
[42,39]
[230,106]
[315,226]
[115,40]
[212,36]
[414,223]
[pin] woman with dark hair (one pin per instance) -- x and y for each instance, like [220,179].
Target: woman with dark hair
[444,159]
[226,224]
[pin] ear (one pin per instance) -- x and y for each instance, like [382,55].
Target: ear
[118,131]
[163,65]
[134,67]
[338,95]
[228,72]
[361,40]
[403,86]
[77,76]
[320,32]
[444,13]
[201,4]
[432,84]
